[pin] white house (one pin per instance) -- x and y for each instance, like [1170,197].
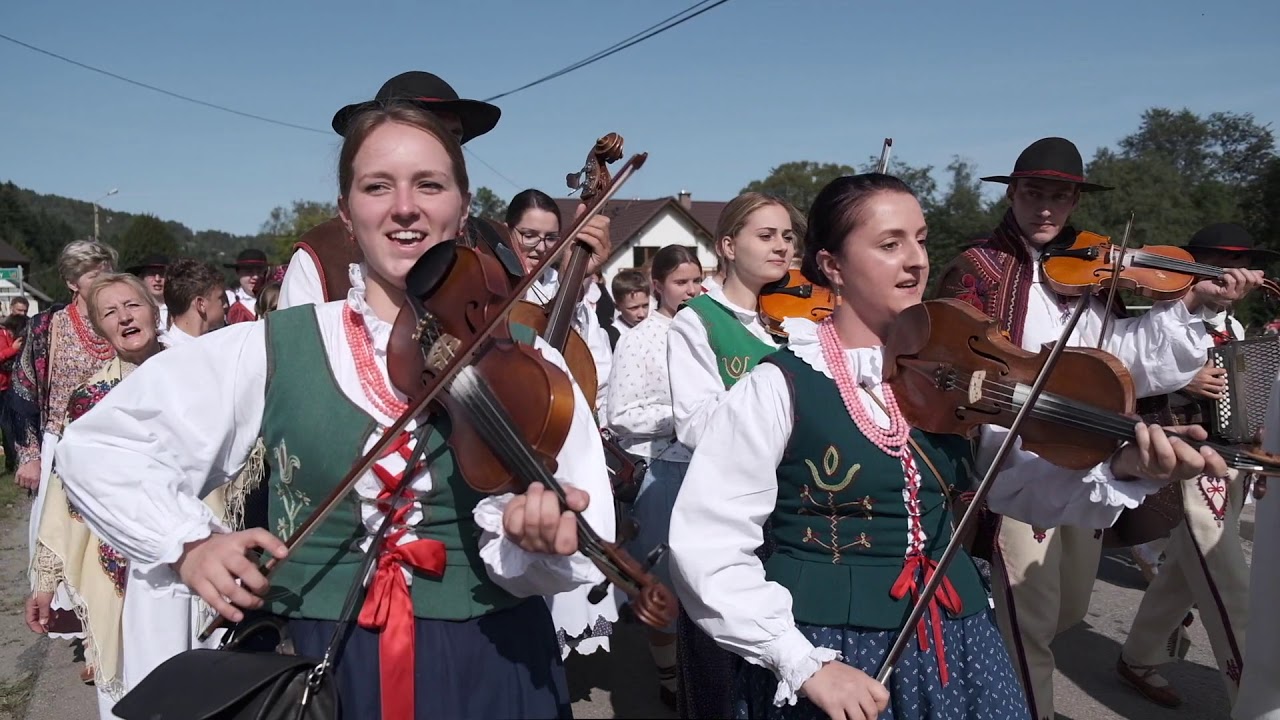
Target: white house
[639,228]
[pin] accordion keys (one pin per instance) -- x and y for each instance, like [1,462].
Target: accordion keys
[1251,366]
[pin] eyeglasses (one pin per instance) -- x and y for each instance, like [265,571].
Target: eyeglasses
[531,238]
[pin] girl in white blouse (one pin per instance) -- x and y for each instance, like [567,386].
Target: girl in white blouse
[452,623]
[639,413]
[715,339]
[810,456]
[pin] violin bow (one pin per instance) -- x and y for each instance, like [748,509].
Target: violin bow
[1116,268]
[882,167]
[979,498]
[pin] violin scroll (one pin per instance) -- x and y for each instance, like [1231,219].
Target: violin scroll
[594,176]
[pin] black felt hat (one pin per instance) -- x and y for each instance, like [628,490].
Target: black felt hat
[432,93]
[249,258]
[1228,237]
[150,262]
[1052,158]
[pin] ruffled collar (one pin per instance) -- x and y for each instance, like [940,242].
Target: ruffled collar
[866,364]
[379,329]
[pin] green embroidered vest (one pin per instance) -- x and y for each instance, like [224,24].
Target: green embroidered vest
[841,519]
[313,433]
[736,349]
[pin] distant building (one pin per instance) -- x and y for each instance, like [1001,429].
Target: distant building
[11,258]
[639,228]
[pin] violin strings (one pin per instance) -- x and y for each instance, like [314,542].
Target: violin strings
[492,419]
[1057,408]
[1167,263]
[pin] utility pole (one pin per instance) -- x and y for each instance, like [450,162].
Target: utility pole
[110,192]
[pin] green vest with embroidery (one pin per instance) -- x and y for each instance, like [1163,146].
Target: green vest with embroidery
[313,433]
[841,522]
[736,349]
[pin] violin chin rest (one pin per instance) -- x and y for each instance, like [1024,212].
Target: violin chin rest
[434,265]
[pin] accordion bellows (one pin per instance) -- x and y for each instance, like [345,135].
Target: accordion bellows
[1251,367]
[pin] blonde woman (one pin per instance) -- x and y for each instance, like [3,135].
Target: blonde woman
[715,339]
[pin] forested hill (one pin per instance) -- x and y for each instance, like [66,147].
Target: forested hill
[38,226]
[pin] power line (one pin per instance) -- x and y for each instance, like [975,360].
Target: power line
[216,106]
[619,46]
[153,88]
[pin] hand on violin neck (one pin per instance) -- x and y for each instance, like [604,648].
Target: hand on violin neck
[537,522]
[596,235]
[1218,294]
[1155,455]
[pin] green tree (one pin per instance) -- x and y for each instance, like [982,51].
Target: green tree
[798,182]
[285,225]
[959,216]
[147,235]
[485,203]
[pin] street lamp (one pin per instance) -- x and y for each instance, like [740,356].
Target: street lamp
[110,192]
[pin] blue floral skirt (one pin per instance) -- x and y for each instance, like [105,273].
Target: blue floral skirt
[981,681]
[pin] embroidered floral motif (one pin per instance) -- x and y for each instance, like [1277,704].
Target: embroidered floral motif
[292,500]
[1214,492]
[832,510]
[86,396]
[830,465]
[1039,534]
[73,512]
[866,504]
[972,290]
[736,366]
[115,565]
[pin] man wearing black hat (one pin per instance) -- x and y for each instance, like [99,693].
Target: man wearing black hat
[151,271]
[1043,577]
[251,267]
[1216,582]
[317,270]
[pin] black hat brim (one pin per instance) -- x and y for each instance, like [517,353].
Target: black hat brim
[1261,254]
[477,117]
[1084,186]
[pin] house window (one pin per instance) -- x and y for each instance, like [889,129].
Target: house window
[642,255]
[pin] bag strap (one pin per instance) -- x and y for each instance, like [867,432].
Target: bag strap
[350,606]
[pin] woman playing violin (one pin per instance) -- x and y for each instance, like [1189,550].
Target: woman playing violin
[469,636]
[809,455]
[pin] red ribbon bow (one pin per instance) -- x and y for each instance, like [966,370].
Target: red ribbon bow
[388,605]
[946,596]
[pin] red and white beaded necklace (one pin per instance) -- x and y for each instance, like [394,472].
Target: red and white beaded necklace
[371,382]
[892,441]
[99,348]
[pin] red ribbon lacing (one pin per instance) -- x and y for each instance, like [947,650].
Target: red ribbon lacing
[388,606]
[917,569]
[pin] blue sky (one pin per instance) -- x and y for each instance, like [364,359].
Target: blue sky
[716,102]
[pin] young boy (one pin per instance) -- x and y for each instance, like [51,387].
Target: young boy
[631,296]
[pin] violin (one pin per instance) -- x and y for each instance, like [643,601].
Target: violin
[794,295]
[952,371]
[1159,272]
[554,321]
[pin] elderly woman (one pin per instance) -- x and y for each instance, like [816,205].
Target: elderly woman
[67,553]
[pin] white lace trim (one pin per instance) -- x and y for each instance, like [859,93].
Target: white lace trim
[504,557]
[866,364]
[791,679]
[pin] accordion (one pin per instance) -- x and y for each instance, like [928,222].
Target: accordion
[1251,367]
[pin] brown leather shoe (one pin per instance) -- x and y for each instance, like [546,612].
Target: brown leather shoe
[1150,683]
